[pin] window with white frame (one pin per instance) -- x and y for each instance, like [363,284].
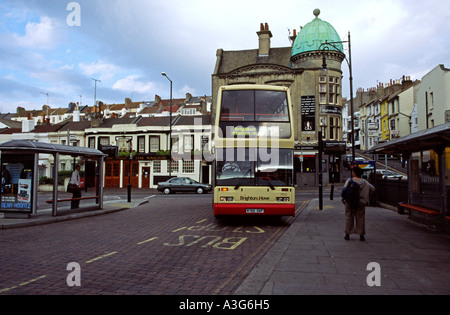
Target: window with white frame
[91,142]
[103,140]
[157,167]
[323,98]
[175,167]
[188,167]
[141,144]
[154,144]
[175,144]
[188,143]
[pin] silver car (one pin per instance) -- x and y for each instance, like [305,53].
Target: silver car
[183,184]
[391,175]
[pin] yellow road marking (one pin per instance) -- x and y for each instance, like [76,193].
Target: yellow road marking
[277,233]
[324,207]
[177,230]
[100,257]
[22,284]
[146,241]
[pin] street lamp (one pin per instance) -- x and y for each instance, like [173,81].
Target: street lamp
[170,125]
[349,63]
[130,143]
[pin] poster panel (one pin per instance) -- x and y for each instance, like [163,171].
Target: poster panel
[16,183]
[308,107]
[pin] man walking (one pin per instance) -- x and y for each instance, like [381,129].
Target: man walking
[357,212]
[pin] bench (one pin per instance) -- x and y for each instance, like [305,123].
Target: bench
[420,209]
[72,199]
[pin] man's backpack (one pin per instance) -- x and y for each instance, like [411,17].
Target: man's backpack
[350,193]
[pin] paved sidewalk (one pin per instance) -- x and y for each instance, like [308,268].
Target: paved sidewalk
[312,257]
[65,214]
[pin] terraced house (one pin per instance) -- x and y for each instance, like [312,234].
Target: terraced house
[137,136]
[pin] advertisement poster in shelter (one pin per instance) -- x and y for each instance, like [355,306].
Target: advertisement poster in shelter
[16,183]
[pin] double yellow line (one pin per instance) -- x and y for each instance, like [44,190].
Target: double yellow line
[272,238]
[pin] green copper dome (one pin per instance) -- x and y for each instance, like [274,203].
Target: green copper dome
[314,34]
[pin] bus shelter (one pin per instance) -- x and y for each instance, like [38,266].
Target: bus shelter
[19,174]
[427,157]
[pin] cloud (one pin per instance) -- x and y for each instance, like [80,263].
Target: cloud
[127,44]
[187,89]
[104,70]
[134,83]
[42,35]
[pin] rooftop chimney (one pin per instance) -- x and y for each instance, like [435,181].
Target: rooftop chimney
[28,125]
[264,36]
[293,37]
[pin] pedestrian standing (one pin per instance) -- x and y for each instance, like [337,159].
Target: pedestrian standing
[76,182]
[356,214]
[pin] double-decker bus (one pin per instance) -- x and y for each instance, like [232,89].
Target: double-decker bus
[254,151]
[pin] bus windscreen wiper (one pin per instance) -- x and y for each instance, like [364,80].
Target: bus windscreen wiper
[267,180]
[242,178]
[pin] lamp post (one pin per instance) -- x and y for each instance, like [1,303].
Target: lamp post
[130,143]
[170,125]
[349,63]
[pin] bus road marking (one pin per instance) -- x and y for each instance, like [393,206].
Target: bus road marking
[180,229]
[100,257]
[146,241]
[218,242]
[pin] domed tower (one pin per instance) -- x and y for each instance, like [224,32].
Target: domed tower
[313,35]
[320,90]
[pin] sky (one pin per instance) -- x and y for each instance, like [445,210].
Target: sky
[51,50]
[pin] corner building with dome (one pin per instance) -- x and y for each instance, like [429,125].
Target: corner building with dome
[316,93]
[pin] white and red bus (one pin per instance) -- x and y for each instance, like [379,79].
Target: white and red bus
[254,151]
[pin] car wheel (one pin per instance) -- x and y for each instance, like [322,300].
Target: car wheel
[166,191]
[199,190]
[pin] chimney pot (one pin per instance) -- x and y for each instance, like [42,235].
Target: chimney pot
[264,40]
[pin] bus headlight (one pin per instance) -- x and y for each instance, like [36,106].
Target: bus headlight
[282,199]
[226,198]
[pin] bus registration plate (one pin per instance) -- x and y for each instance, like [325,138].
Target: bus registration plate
[254,210]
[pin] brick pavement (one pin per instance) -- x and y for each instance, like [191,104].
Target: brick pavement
[311,257]
[151,249]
